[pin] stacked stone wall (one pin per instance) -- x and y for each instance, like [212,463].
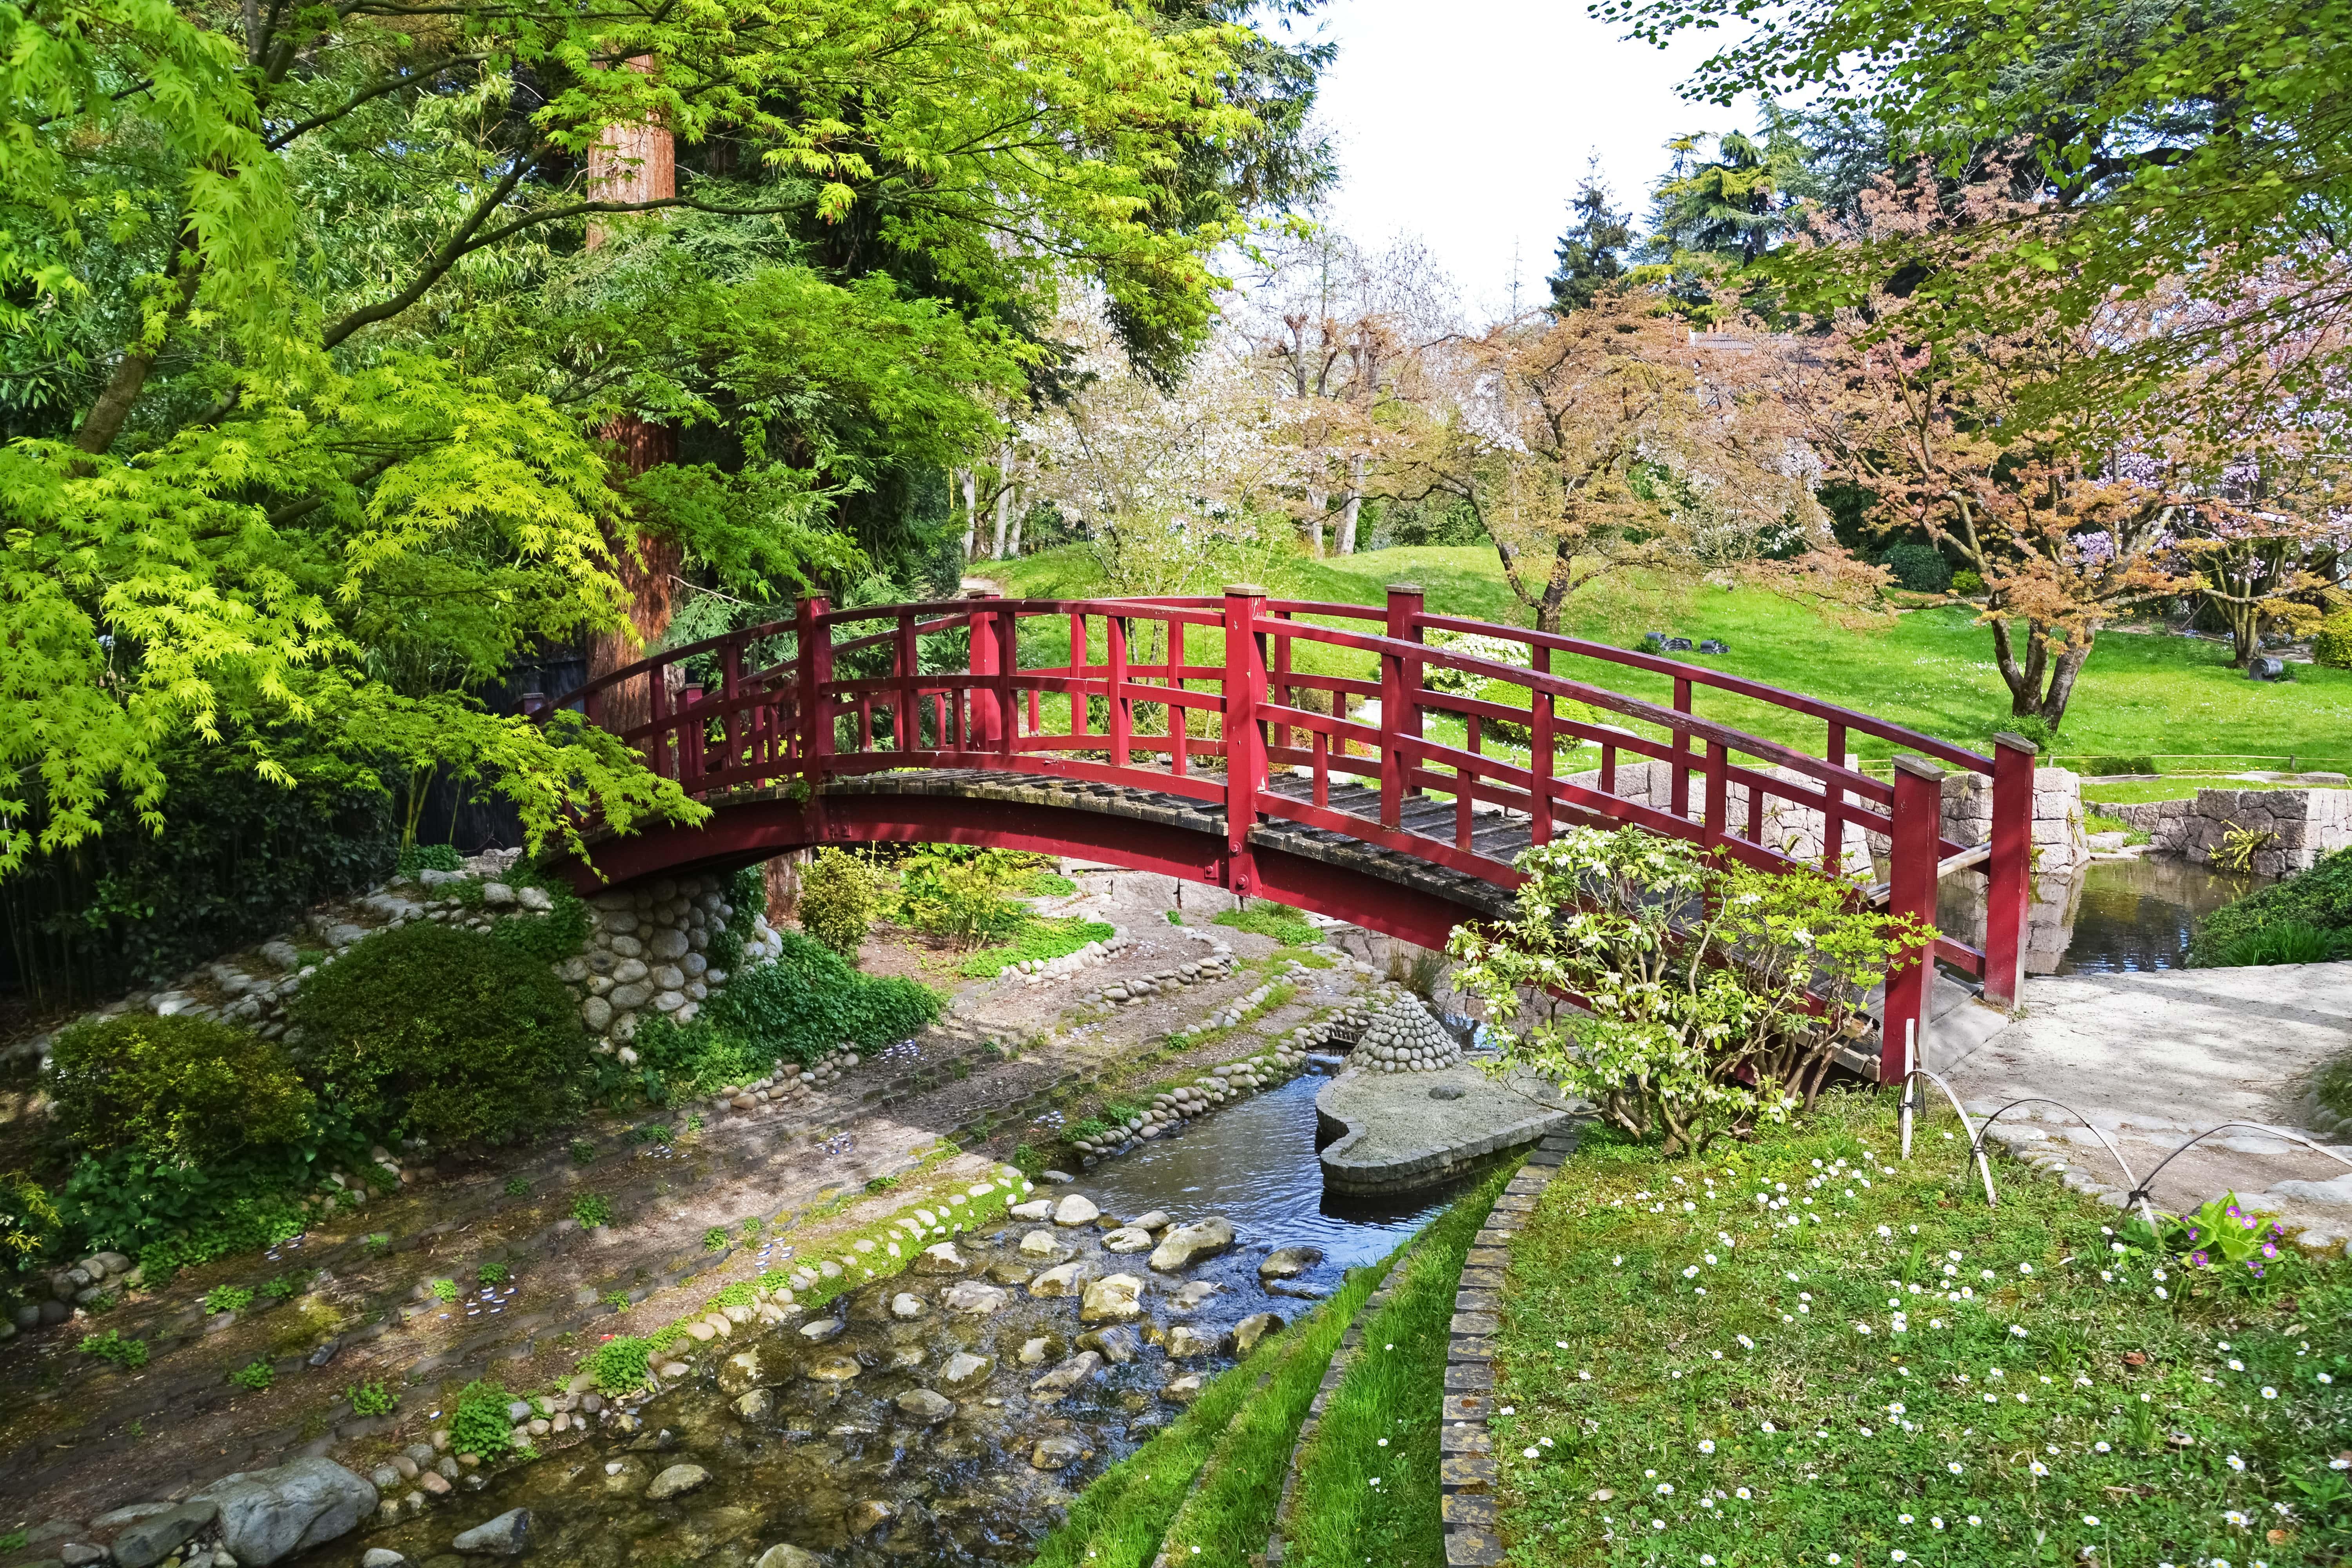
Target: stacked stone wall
[648,955]
[2299,826]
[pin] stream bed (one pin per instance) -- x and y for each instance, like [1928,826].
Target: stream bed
[972,1468]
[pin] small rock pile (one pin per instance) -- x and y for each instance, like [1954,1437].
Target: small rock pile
[1404,1037]
[788,1085]
[79,1284]
[1037,971]
[1217,966]
[647,951]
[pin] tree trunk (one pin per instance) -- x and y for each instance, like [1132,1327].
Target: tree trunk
[1004,498]
[971,483]
[1020,515]
[107,416]
[1315,501]
[635,163]
[2068,665]
[1352,505]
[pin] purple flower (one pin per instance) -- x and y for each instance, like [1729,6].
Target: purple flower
[2197,1260]
[2269,1250]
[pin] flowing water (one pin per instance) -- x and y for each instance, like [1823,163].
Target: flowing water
[836,1467]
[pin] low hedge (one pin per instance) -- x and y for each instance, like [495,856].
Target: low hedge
[810,1001]
[180,1088]
[449,1034]
[2319,899]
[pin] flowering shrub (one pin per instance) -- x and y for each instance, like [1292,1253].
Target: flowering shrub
[1713,996]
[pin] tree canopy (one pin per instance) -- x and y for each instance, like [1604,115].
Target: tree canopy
[306,356]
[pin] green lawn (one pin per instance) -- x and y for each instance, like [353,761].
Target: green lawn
[1887,1370]
[1928,670]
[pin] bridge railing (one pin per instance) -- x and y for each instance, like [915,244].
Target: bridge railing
[1248,702]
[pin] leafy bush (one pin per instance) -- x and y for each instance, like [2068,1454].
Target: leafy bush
[959,892]
[809,1000]
[228,1298]
[492,1274]
[2285,942]
[2320,898]
[1047,885]
[479,1424]
[111,1346]
[285,1288]
[549,938]
[2332,644]
[2229,1247]
[181,1088]
[592,1210]
[1717,993]
[416,857]
[447,1034]
[30,1226]
[443,1290]
[257,1375]
[838,900]
[174,1215]
[747,901]
[621,1366]
[1967,583]
[1918,567]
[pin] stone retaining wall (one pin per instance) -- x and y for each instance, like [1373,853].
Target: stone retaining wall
[2302,824]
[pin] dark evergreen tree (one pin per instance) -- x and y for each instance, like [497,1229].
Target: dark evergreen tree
[1592,252]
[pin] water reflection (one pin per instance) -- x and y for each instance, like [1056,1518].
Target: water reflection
[2112,916]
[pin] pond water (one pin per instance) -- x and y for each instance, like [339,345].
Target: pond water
[2112,915]
[837,1466]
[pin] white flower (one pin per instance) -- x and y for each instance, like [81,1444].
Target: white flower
[1584,1377]
[1691,1272]
[1902,1519]
[1531,1453]
[1384,1442]
[1954,1466]
[2234,1462]
[1657,1524]
[2325,1378]
[2269,1392]
[2099,1448]
[1769,1428]
[2160,1294]
[1705,1559]
[2240,1520]
[1710,1259]
[1833,1560]
[1897,1555]
[1935,1521]
[1741,1494]
[2092,1520]
[2025,1268]
[2037,1467]
[1745,1343]
[1707,1445]
[2016,1332]
[1975,1520]
[2237,1365]
[1665,1489]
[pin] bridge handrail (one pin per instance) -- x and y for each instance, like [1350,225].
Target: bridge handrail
[799,719]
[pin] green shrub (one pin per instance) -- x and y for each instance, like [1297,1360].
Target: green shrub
[2333,645]
[1918,567]
[416,857]
[838,900]
[111,1346]
[257,1375]
[492,1274]
[445,1291]
[959,892]
[747,900]
[1048,885]
[30,1226]
[228,1298]
[620,1366]
[175,1216]
[592,1210]
[549,938]
[2320,898]
[449,1034]
[809,1000]
[372,1398]
[286,1287]
[180,1088]
[1039,939]
[1967,583]
[2285,942]
[479,1424]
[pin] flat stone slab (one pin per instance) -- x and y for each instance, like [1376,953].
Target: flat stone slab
[1393,1137]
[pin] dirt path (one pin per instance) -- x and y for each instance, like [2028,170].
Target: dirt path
[699,1196]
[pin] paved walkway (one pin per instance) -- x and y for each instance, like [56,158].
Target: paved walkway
[2155,1059]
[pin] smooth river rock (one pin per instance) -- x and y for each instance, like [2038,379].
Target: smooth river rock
[965,1371]
[1289,1262]
[973,1299]
[1113,1298]
[1128,1238]
[1075,1210]
[266,1515]
[1040,1243]
[1069,1279]
[1078,1369]
[1189,1244]
[154,1536]
[1057,1453]
[505,1536]
[788,1557]
[677,1481]
[1187,1345]
[937,1261]
[923,1405]
[1252,1328]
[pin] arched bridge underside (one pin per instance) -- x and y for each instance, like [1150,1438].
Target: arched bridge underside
[1387,775]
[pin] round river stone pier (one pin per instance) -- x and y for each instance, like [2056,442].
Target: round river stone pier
[1397,1131]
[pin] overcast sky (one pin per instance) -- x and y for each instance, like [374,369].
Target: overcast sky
[1469,122]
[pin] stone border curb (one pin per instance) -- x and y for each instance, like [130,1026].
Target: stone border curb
[1466,1467]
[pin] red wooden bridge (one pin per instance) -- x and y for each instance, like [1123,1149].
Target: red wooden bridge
[1085,727]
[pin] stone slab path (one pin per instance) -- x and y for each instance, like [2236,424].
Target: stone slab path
[2153,1059]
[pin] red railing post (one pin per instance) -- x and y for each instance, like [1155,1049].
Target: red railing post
[1008,664]
[908,655]
[733,739]
[689,740]
[1122,715]
[981,731]
[1540,756]
[1718,793]
[816,674]
[1077,677]
[1400,711]
[1679,784]
[658,746]
[1918,819]
[1833,810]
[1179,720]
[1244,694]
[2010,886]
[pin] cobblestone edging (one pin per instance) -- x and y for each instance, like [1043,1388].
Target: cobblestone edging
[1335,1372]
[1467,1472]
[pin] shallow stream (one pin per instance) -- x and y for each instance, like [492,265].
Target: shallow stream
[837,1467]
[2112,915]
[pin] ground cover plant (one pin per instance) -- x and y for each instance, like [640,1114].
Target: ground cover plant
[1368,1483]
[1809,1351]
[1278,922]
[1038,939]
